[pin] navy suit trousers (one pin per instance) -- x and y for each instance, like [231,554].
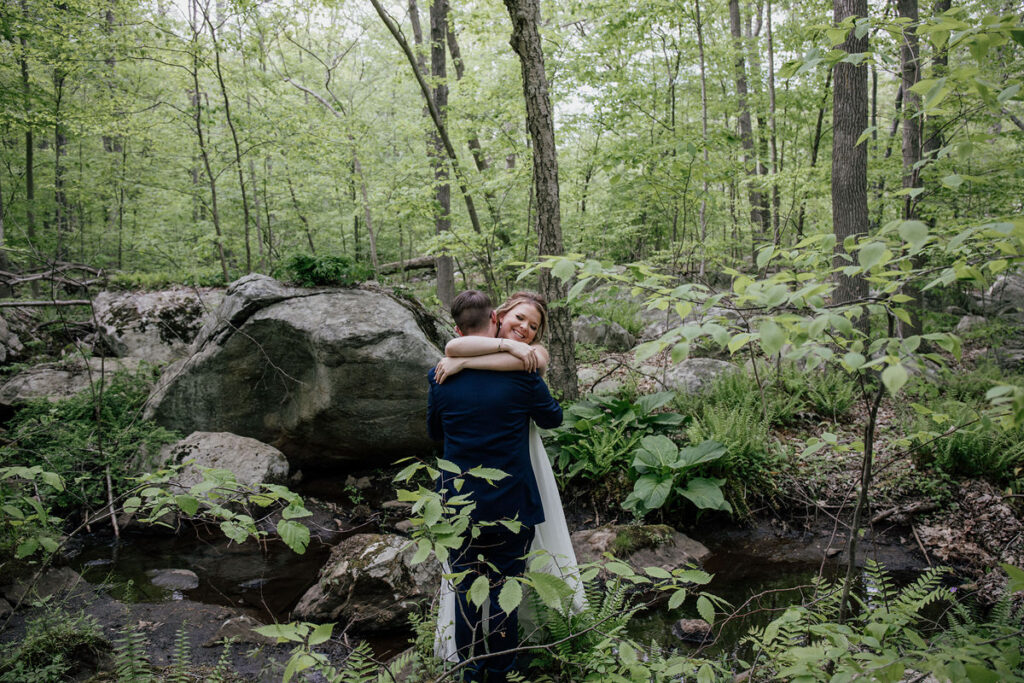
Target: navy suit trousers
[503,555]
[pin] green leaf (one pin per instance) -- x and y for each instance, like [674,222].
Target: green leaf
[764,256]
[871,254]
[706,609]
[282,632]
[655,451]
[853,360]
[511,595]
[488,473]
[657,572]
[53,479]
[706,494]
[677,598]
[294,535]
[479,591]
[653,490]
[550,589]
[648,349]
[913,232]
[188,504]
[952,181]
[320,634]
[577,288]
[894,377]
[772,336]
[448,466]
[26,548]
[564,270]
[976,673]
[705,451]
[1016,575]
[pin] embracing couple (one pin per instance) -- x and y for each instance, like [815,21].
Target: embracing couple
[486,399]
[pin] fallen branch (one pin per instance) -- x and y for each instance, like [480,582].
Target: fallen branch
[913,508]
[418,263]
[66,302]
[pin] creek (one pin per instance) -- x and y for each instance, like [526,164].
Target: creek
[266,580]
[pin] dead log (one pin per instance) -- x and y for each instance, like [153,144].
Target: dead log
[418,263]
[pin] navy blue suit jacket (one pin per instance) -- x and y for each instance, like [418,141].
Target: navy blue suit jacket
[483,418]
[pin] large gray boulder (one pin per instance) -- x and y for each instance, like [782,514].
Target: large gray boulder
[1007,293]
[157,326]
[58,381]
[251,461]
[694,375]
[370,582]
[648,545]
[590,329]
[10,344]
[321,375]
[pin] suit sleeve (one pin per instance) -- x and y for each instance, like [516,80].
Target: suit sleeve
[435,429]
[544,410]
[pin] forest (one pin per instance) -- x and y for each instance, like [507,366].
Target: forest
[828,197]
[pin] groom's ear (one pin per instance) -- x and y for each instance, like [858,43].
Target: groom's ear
[458,332]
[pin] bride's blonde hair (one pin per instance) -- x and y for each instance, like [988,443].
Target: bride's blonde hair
[532,298]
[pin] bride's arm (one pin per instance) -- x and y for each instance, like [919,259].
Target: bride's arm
[532,357]
[500,361]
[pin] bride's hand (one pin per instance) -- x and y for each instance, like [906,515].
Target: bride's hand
[446,367]
[523,352]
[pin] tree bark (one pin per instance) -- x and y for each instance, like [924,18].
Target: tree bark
[746,130]
[704,138]
[526,41]
[30,146]
[910,68]
[849,160]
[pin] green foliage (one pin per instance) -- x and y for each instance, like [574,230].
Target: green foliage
[81,437]
[892,632]
[161,279]
[237,508]
[181,658]
[959,441]
[307,270]
[624,311]
[598,435]
[130,660]
[660,463]
[26,525]
[55,645]
[830,394]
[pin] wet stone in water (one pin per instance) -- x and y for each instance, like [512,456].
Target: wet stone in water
[173,579]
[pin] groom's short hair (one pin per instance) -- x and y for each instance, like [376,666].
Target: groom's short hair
[471,311]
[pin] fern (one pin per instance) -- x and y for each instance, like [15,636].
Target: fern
[130,662]
[220,670]
[181,658]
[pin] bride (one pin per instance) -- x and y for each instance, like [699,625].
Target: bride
[521,324]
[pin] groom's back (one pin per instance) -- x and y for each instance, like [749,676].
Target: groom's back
[483,419]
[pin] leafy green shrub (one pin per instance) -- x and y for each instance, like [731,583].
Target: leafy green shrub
[79,438]
[978,449]
[322,270]
[625,312]
[890,634]
[599,435]
[201,277]
[55,646]
[830,394]
[659,463]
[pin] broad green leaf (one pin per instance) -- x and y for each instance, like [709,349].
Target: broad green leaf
[705,451]
[648,349]
[320,634]
[952,181]
[283,632]
[294,535]
[510,596]
[657,572]
[706,494]
[53,480]
[677,598]
[619,568]
[1016,575]
[550,589]
[488,473]
[564,270]
[655,451]
[479,591]
[653,490]
[772,336]
[913,232]
[49,544]
[764,256]
[853,360]
[26,548]
[188,504]
[706,609]
[577,288]
[894,377]
[871,255]
[448,466]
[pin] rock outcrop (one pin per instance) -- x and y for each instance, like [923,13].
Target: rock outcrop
[57,381]
[370,582]
[322,375]
[589,329]
[251,461]
[641,546]
[157,326]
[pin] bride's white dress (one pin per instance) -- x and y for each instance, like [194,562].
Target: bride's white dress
[551,538]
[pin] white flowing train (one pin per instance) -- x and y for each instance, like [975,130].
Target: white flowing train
[550,538]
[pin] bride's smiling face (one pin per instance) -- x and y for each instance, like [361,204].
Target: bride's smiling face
[520,323]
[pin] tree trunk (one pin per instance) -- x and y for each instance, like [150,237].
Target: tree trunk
[246,220]
[773,132]
[849,160]
[526,41]
[30,146]
[746,131]
[815,145]
[910,67]
[62,210]
[704,139]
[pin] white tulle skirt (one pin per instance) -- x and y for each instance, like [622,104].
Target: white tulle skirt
[550,538]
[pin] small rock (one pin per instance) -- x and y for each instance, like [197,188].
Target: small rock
[642,546]
[362,483]
[692,630]
[405,526]
[5,608]
[240,628]
[398,506]
[173,579]
[590,329]
[969,322]
[695,375]
[249,460]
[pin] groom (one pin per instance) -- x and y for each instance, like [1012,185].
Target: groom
[483,418]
